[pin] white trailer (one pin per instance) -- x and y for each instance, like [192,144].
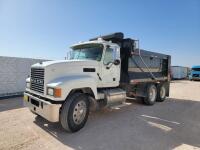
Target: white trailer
[179,72]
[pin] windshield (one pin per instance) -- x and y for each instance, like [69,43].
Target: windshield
[87,51]
[195,69]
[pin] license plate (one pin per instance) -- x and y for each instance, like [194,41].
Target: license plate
[25,98]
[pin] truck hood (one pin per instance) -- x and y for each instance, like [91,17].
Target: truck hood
[69,63]
[64,68]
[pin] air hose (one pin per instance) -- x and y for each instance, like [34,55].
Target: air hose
[153,77]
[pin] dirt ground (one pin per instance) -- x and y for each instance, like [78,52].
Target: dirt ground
[173,124]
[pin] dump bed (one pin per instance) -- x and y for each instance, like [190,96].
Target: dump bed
[145,66]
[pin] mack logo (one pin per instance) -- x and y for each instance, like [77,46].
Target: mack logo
[37,81]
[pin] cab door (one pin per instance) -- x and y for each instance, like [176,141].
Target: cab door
[111,67]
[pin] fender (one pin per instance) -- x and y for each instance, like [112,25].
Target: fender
[68,83]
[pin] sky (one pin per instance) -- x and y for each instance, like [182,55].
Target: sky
[47,28]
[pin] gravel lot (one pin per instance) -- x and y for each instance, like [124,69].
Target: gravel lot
[173,124]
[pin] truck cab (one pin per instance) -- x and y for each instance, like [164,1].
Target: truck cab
[97,74]
[107,57]
[195,73]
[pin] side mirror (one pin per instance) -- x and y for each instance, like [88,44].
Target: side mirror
[116,62]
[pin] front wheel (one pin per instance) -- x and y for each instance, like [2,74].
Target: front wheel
[74,112]
[150,99]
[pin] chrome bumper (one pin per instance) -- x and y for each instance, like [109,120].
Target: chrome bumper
[43,108]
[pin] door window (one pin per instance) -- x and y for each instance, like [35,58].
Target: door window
[109,56]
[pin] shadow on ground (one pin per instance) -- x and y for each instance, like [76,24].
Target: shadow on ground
[166,125]
[11,103]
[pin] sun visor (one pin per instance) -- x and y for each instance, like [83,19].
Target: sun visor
[114,37]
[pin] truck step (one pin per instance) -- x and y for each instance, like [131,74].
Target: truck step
[118,106]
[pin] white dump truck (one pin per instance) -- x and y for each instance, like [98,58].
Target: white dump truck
[101,72]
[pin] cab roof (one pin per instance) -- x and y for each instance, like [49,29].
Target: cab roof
[97,41]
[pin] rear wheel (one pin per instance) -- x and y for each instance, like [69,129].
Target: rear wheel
[161,96]
[74,112]
[151,95]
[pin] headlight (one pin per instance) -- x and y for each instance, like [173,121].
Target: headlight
[56,92]
[50,91]
[28,85]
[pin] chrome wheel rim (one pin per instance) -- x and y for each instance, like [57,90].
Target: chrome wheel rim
[152,94]
[162,92]
[79,112]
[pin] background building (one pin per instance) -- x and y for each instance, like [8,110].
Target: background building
[13,72]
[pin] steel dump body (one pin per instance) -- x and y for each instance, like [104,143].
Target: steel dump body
[154,66]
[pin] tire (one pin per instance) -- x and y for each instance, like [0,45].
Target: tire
[74,112]
[150,99]
[161,96]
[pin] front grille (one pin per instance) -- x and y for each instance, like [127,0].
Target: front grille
[37,80]
[196,75]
